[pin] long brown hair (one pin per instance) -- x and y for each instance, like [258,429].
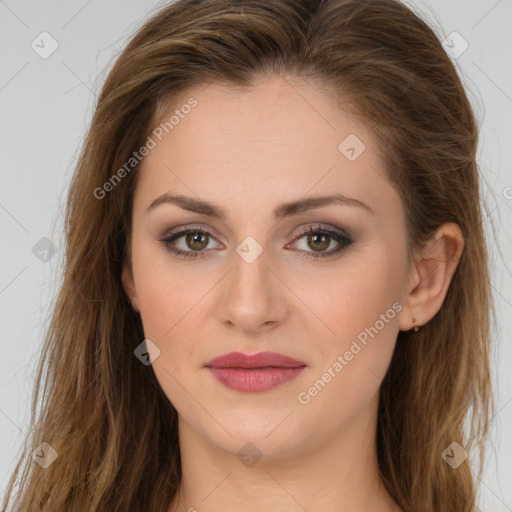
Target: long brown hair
[103,412]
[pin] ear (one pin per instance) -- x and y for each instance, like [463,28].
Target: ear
[431,275]
[129,286]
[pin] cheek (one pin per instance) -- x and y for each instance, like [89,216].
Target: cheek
[170,311]
[361,307]
[351,296]
[352,368]
[164,297]
[169,308]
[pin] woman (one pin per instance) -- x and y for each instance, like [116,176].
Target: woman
[276,293]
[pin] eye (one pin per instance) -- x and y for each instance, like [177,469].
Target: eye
[319,238]
[194,238]
[192,242]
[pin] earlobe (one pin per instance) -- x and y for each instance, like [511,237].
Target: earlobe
[432,275]
[129,286]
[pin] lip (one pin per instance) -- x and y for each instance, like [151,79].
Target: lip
[258,360]
[254,372]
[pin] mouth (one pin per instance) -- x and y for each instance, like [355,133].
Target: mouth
[254,373]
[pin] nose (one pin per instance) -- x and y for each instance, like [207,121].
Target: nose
[254,298]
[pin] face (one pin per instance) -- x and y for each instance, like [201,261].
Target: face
[264,269]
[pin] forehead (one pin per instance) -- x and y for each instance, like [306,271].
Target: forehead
[281,137]
[274,111]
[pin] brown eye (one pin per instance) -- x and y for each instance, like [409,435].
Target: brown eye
[319,242]
[319,238]
[191,242]
[196,240]
[188,242]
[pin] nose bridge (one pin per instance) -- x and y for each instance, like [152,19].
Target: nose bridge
[251,265]
[253,295]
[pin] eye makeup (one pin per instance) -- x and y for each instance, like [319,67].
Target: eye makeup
[317,234]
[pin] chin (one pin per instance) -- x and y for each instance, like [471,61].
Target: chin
[270,432]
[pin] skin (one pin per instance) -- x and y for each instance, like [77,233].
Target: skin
[249,152]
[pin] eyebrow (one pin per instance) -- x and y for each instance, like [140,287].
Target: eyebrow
[281,211]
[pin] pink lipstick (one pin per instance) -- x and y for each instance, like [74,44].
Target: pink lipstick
[253,373]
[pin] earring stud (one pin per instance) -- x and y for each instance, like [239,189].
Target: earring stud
[415,327]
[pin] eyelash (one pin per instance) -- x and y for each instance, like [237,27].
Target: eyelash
[319,229]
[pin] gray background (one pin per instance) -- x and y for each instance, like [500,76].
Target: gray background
[46,105]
